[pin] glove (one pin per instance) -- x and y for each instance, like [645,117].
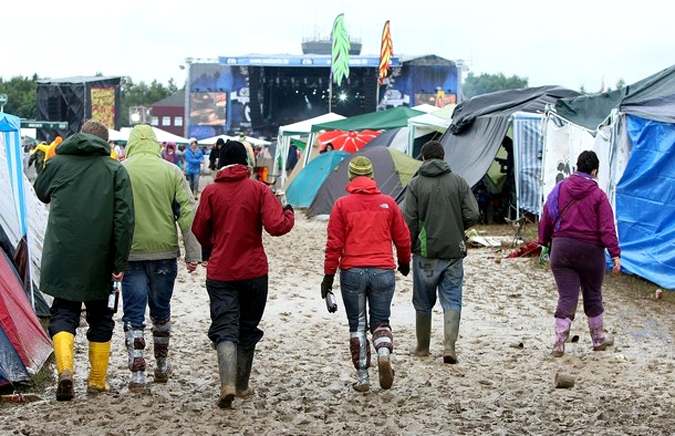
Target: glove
[327,284]
[289,207]
[404,268]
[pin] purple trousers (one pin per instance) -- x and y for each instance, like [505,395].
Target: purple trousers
[577,265]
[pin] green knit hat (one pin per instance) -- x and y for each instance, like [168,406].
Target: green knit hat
[360,166]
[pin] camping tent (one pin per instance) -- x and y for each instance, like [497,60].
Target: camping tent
[633,131]
[302,190]
[479,126]
[398,140]
[22,215]
[382,120]
[393,170]
[24,346]
[423,125]
[296,130]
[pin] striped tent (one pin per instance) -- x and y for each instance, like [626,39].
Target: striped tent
[528,148]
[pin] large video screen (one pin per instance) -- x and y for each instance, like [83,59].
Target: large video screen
[208,108]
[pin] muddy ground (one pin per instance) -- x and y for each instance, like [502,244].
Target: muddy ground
[502,385]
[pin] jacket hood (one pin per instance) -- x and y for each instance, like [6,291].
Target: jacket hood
[362,185]
[83,144]
[232,173]
[434,168]
[579,185]
[142,140]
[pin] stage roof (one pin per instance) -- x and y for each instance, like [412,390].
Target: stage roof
[290,60]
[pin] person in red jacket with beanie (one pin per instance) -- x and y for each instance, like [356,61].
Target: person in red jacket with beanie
[236,277]
[361,229]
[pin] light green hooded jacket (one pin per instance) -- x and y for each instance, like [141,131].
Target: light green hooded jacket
[162,197]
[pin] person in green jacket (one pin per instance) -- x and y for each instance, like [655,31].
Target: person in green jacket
[163,198]
[439,207]
[86,245]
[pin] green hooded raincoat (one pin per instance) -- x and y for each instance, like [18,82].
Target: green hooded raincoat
[91,219]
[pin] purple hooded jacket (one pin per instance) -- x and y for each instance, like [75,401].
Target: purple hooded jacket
[589,218]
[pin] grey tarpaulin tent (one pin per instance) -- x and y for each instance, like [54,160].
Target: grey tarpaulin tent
[651,98]
[479,125]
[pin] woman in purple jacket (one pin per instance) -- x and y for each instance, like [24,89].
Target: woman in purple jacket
[578,224]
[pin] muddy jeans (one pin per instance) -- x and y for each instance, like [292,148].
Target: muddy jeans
[576,264]
[373,287]
[430,275]
[148,283]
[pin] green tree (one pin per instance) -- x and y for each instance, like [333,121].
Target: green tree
[485,83]
[142,94]
[21,95]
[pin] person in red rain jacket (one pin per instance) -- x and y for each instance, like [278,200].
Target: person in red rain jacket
[361,229]
[238,207]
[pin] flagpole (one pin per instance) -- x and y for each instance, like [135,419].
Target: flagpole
[377,96]
[330,92]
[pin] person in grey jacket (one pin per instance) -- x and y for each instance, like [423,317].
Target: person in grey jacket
[439,207]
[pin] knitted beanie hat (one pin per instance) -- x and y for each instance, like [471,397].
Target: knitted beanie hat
[360,166]
[233,152]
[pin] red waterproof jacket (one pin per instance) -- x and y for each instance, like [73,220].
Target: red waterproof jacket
[230,218]
[362,227]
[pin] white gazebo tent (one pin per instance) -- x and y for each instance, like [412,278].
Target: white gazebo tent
[250,139]
[296,130]
[436,121]
[162,136]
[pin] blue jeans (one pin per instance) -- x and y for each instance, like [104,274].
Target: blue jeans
[371,286]
[193,181]
[148,283]
[444,275]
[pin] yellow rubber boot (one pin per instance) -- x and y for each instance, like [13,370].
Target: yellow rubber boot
[99,353]
[64,346]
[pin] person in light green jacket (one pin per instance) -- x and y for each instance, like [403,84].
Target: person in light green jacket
[163,203]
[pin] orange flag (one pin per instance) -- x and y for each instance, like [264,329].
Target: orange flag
[386,52]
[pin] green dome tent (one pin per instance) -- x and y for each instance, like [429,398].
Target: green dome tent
[393,170]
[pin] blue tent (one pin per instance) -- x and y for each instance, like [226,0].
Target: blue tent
[634,129]
[303,189]
[645,202]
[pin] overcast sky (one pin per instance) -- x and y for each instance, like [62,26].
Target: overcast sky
[569,43]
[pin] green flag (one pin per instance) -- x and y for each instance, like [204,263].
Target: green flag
[340,50]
